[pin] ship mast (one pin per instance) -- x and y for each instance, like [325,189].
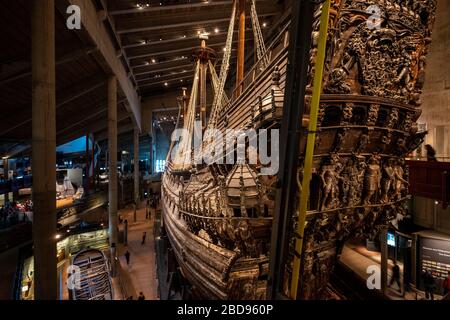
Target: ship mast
[241,48]
[204,55]
[184,100]
[203,67]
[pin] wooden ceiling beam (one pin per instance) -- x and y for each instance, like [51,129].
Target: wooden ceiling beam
[170,63]
[167,77]
[91,116]
[99,35]
[183,66]
[181,24]
[68,95]
[74,55]
[170,7]
[188,76]
[159,53]
[177,40]
[92,127]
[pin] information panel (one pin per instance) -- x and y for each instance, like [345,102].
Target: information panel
[435,257]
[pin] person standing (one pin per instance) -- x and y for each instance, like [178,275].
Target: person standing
[431,153]
[147,209]
[127,257]
[429,283]
[395,276]
[141,296]
[144,235]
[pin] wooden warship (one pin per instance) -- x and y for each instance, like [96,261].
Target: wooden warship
[218,217]
[93,281]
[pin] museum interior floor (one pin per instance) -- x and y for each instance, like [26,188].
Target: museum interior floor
[357,258]
[140,274]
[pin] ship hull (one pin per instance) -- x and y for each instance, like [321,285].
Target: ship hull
[214,271]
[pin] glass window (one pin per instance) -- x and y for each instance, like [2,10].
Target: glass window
[160,165]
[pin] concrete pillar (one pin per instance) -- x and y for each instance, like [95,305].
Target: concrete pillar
[125,232]
[112,185]
[87,165]
[44,148]
[94,175]
[384,260]
[6,174]
[136,169]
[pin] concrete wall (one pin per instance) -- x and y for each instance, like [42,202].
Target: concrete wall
[166,100]
[436,114]
[436,93]
[430,215]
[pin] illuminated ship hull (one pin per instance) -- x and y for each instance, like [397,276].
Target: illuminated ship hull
[213,249]
[218,217]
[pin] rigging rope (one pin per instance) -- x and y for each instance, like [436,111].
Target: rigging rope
[259,39]
[172,144]
[223,71]
[215,81]
[183,155]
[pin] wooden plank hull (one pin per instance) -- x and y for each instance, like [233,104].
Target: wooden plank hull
[91,278]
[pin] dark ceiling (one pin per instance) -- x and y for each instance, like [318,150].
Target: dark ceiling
[154,44]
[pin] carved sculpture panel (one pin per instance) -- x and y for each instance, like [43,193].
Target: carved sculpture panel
[373,78]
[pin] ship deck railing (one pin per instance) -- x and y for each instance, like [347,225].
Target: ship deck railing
[259,67]
[223,217]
